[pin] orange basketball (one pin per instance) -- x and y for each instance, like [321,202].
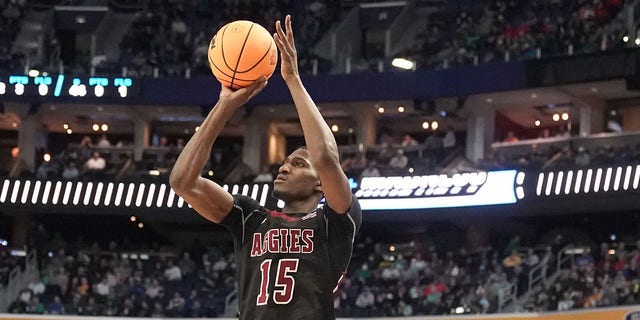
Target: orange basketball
[242,52]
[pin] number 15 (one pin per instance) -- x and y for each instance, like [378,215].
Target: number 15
[285,283]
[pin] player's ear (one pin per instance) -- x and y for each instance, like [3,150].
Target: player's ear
[318,187]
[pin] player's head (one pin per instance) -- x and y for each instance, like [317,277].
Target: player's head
[297,179]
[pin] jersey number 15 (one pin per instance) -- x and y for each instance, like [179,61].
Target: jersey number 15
[284,283]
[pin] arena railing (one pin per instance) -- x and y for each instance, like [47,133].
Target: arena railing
[18,279]
[615,313]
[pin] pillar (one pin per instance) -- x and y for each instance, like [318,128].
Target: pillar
[366,126]
[592,112]
[480,132]
[254,148]
[22,222]
[27,135]
[140,138]
[277,145]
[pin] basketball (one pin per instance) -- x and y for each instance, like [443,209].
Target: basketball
[241,52]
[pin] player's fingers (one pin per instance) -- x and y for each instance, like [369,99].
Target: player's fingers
[284,50]
[287,42]
[279,30]
[258,89]
[287,23]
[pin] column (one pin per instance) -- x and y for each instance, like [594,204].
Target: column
[21,224]
[480,132]
[277,149]
[27,136]
[140,138]
[254,147]
[366,126]
[592,112]
[585,120]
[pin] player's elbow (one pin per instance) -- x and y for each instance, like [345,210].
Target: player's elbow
[178,182]
[328,156]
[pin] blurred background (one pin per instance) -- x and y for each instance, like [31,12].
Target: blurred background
[494,144]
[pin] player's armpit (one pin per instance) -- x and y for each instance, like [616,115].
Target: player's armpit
[208,199]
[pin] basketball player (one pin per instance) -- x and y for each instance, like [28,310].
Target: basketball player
[289,262]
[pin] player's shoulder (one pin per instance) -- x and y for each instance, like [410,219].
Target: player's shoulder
[245,203]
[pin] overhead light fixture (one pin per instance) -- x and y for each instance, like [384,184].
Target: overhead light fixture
[565,116]
[555,117]
[402,63]
[380,109]
[537,123]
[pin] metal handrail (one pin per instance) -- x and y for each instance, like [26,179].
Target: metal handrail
[507,294]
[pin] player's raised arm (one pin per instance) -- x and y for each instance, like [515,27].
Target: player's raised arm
[319,139]
[205,196]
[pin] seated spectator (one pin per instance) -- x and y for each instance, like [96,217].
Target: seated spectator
[35,306]
[398,162]
[36,286]
[353,166]
[176,305]
[513,260]
[103,142]
[56,306]
[385,153]
[95,165]
[371,170]
[582,159]
[449,140]
[70,171]
[408,141]
[511,137]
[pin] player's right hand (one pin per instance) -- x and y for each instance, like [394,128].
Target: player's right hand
[239,97]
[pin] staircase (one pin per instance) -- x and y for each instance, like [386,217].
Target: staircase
[18,279]
[544,274]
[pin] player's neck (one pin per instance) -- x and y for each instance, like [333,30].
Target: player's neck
[301,206]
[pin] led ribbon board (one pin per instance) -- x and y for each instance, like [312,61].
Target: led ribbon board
[441,191]
[67,86]
[588,181]
[108,194]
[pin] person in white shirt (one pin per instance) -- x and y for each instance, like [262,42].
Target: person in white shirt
[449,140]
[103,142]
[399,161]
[96,162]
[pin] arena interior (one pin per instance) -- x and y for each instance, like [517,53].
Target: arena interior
[494,146]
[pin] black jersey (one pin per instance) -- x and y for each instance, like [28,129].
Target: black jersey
[290,265]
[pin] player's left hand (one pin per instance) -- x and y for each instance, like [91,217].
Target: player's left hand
[287,47]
